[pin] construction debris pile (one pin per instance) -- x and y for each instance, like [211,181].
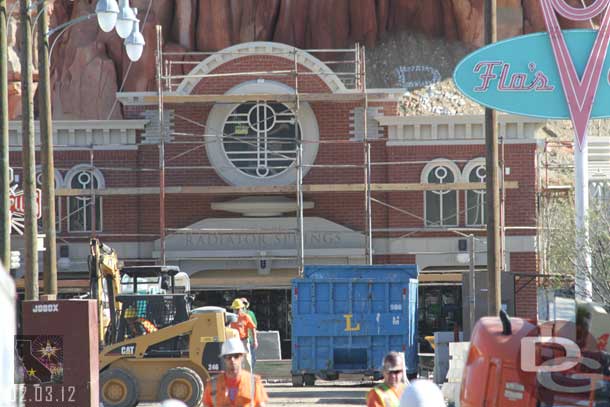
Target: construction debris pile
[440,98]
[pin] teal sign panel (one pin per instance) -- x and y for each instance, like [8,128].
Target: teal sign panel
[520,76]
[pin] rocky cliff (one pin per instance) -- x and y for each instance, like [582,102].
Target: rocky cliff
[89,66]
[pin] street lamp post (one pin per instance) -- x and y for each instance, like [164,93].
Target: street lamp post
[5,223]
[46,153]
[109,15]
[28,154]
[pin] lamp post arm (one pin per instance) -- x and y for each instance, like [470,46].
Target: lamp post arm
[40,11]
[32,7]
[70,23]
[63,27]
[11,10]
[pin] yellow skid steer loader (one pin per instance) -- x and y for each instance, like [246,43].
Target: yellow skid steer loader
[153,347]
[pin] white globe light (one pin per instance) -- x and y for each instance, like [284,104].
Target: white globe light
[463,258]
[134,44]
[125,20]
[107,12]
[173,403]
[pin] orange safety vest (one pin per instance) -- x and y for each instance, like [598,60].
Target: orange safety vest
[243,324]
[217,392]
[141,326]
[387,396]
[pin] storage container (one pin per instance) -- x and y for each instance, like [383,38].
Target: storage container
[346,318]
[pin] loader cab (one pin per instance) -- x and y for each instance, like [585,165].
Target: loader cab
[154,280]
[145,314]
[151,298]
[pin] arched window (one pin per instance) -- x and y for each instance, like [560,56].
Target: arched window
[80,208]
[476,200]
[440,207]
[260,139]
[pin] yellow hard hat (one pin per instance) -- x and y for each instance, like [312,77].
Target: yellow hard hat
[237,304]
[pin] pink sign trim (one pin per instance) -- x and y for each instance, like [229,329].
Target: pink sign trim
[579,92]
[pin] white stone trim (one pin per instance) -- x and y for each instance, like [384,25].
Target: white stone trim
[453,143]
[225,168]
[470,165]
[462,129]
[374,95]
[356,123]
[80,134]
[457,173]
[263,48]
[421,246]
[136,98]
[59,179]
[101,182]
[261,206]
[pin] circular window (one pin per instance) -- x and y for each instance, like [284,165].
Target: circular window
[256,142]
[260,139]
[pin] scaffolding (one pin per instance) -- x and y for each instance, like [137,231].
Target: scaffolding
[350,69]
[352,73]
[169,63]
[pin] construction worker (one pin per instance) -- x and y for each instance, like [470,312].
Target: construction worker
[137,326]
[422,393]
[234,387]
[250,331]
[243,324]
[388,393]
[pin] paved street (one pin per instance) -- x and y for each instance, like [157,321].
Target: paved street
[339,394]
[329,394]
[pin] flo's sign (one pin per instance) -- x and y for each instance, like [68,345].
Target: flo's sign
[557,75]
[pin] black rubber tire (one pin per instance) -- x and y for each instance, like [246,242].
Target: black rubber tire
[297,380]
[181,383]
[118,388]
[309,379]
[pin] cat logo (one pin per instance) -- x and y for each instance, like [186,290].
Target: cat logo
[128,350]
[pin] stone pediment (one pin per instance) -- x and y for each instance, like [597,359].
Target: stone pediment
[240,237]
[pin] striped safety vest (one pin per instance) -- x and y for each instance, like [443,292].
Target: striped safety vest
[387,396]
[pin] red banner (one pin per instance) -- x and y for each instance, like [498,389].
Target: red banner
[17,202]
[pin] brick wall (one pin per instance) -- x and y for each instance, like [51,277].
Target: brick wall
[138,168]
[525,263]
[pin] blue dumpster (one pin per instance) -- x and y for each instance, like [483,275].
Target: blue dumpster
[346,318]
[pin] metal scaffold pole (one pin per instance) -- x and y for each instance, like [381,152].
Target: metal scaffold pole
[299,163]
[472,298]
[367,164]
[161,144]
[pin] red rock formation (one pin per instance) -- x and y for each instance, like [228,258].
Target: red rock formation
[89,66]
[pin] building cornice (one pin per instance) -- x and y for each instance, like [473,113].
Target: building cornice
[84,134]
[460,129]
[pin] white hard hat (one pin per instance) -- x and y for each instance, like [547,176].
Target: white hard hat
[422,393]
[232,346]
[173,403]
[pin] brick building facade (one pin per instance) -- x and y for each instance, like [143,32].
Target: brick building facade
[230,165]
